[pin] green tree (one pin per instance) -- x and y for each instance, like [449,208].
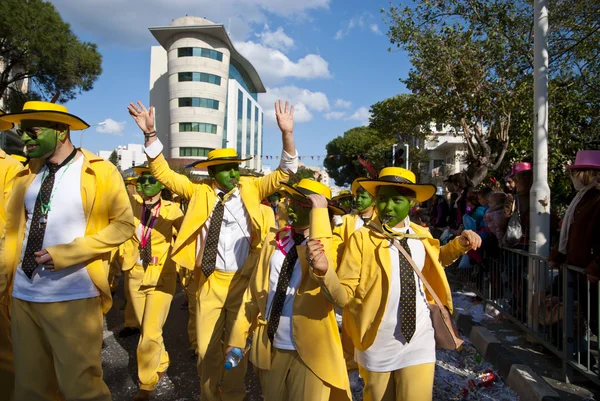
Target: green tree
[114,158]
[302,173]
[36,44]
[342,161]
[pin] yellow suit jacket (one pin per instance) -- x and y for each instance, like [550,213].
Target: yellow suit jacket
[267,220]
[343,232]
[361,285]
[9,168]
[109,223]
[282,214]
[314,326]
[202,197]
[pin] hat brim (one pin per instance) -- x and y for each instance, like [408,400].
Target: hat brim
[75,123]
[338,197]
[301,192]
[583,166]
[216,162]
[141,170]
[422,192]
[5,125]
[356,185]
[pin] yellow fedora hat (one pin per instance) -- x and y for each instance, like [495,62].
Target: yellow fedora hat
[5,125]
[310,187]
[400,177]
[344,193]
[356,185]
[139,170]
[219,156]
[46,111]
[131,180]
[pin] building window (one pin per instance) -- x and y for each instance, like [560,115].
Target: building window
[198,102]
[199,77]
[198,152]
[240,117]
[248,126]
[199,52]
[238,73]
[198,127]
[256,113]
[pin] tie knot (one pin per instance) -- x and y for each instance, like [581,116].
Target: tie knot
[52,168]
[299,239]
[221,195]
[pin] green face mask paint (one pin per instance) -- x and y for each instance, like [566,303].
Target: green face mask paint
[299,212]
[150,185]
[392,207]
[40,142]
[363,201]
[227,175]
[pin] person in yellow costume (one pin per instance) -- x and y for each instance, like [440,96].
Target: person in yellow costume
[279,207]
[296,345]
[151,276]
[67,212]
[385,305]
[219,240]
[9,167]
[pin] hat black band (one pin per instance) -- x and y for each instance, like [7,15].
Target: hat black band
[396,179]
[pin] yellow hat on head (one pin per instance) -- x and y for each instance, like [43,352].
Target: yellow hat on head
[356,185]
[46,111]
[131,180]
[219,156]
[310,187]
[139,170]
[5,125]
[344,193]
[400,177]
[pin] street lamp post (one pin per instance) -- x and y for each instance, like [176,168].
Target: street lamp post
[82,131]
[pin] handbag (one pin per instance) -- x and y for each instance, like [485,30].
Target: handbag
[446,335]
[514,231]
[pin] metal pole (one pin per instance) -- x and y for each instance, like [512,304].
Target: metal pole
[406,149]
[539,203]
[394,154]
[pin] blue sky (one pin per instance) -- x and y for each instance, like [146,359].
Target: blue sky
[330,57]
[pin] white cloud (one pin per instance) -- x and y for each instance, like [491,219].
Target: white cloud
[343,104]
[274,66]
[335,115]
[304,101]
[362,114]
[111,127]
[275,40]
[361,22]
[375,29]
[118,22]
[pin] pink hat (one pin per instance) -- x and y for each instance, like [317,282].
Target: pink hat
[518,167]
[587,159]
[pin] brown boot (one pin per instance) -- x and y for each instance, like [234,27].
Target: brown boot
[142,395]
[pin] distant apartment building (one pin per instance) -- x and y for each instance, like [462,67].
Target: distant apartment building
[127,155]
[204,92]
[446,153]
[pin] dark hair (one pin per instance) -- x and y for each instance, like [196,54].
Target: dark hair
[485,192]
[423,216]
[454,197]
[525,178]
[461,180]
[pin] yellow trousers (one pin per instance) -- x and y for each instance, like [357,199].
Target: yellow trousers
[413,383]
[191,292]
[151,306]
[58,347]
[218,303]
[7,368]
[130,319]
[289,379]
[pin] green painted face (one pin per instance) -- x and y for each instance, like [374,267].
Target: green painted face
[392,205]
[227,175]
[346,203]
[363,201]
[299,212]
[150,185]
[40,138]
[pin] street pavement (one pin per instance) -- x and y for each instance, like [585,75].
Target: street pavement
[454,369]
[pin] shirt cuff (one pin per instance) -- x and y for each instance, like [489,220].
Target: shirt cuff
[154,149]
[289,163]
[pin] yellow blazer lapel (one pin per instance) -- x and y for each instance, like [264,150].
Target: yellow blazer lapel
[88,188]
[262,277]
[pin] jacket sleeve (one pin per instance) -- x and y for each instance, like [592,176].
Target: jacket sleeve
[450,252]
[270,183]
[175,182]
[119,229]
[339,288]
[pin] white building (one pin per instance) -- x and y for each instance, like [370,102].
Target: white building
[128,155]
[446,153]
[319,172]
[204,92]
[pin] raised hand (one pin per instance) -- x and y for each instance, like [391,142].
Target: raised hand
[317,201]
[285,117]
[315,253]
[144,118]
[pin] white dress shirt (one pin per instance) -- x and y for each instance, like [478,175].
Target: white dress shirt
[66,221]
[390,351]
[284,338]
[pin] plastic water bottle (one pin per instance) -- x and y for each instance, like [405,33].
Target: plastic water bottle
[234,356]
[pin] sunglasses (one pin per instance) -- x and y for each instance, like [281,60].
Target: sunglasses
[296,202]
[151,180]
[38,131]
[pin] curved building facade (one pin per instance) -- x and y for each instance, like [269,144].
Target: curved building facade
[204,92]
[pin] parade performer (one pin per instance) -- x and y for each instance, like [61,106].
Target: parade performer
[279,207]
[394,339]
[9,167]
[296,346]
[67,212]
[219,239]
[151,276]
[344,200]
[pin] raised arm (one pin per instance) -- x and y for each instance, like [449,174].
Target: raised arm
[159,167]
